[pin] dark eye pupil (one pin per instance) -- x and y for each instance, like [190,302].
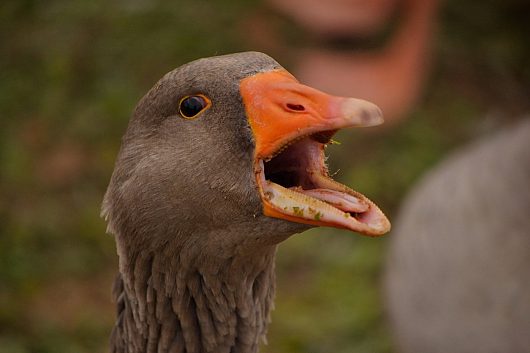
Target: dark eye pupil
[192,106]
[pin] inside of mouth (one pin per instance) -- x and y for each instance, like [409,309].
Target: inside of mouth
[289,168]
[294,166]
[301,168]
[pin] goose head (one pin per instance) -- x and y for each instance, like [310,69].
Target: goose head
[234,142]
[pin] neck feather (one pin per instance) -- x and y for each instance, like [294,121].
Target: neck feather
[176,299]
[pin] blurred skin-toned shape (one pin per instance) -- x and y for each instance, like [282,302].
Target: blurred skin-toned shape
[392,75]
[362,17]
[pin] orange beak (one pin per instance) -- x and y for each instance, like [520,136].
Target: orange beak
[291,124]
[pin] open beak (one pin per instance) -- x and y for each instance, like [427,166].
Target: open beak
[292,124]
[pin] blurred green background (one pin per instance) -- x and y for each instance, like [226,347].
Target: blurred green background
[71,73]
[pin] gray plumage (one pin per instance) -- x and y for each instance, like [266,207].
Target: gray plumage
[196,254]
[458,275]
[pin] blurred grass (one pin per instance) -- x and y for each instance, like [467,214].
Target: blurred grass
[71,72]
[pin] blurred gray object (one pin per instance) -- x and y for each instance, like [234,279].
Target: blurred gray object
[458,272]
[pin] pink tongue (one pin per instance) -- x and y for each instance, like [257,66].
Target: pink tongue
[342,201]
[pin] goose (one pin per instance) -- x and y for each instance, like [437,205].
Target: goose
[458,271]
[222,160]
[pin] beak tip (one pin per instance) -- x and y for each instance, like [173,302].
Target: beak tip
[362,113]
[372,116]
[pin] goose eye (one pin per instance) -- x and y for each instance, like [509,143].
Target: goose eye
[191,106]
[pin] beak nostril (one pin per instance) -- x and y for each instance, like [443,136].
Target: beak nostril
[295,107]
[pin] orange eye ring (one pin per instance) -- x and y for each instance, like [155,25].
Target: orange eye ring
[190,107]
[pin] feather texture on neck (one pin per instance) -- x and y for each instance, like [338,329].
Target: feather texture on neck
[182,300]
